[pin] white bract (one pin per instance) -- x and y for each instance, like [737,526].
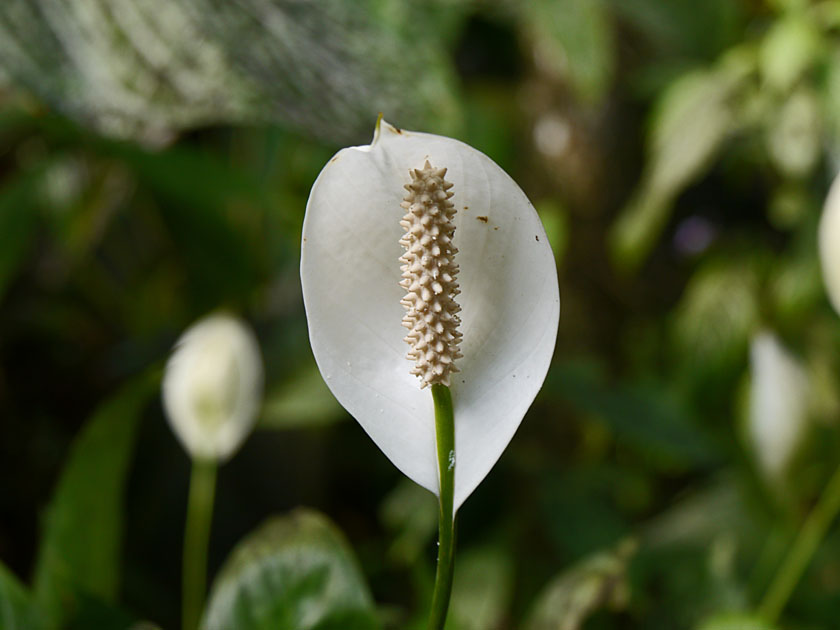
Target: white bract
[778,403]
[829,242]
[212,387]
[351,275]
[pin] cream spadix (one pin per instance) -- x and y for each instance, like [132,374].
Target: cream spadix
[429,272]
[355,294]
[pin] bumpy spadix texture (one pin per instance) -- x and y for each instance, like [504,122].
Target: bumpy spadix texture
[351,278]
[212,386]
[829,242]
[429,272]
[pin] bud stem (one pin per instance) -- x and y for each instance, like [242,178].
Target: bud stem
[196,539]
[445,433]
[810,536]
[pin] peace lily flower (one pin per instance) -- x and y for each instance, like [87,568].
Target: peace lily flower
[418,229]
[829,242]
[212,386]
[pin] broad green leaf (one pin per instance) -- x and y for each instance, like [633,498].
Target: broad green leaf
[294,572]
[649,419]
[80,546]
[573,39]
[146,70]
[691,121]
[302,401]
[482,589]
[596,582]
[17,611]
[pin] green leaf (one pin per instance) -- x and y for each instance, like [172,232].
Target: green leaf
[647,418]
[596,582]
[410,512]
[574,39]
[303,401]
[151,69]
[16,609]
[482,590]
[789,48]
[80,547]
[294,572]
[18,220]
[735,621]
[691,121]
[794,134]
[717,314]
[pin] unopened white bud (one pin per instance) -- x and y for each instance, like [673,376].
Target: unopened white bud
[829,244]
[212,387]
[778,403]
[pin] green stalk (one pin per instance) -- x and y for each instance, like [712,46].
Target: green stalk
[196,539]
[800,554]
[445,434]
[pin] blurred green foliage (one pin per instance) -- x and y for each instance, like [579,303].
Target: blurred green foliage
[155,162]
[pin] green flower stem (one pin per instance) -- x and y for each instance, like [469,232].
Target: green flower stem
[445,434]
[800,554]
[196,539]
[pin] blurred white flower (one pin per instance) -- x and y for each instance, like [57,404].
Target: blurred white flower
[350,271]
[778,414]
[829,242]
[212,386]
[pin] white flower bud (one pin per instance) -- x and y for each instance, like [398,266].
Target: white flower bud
[778,403]
[829,243]
[212,387]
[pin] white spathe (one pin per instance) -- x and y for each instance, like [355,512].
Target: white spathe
[510,301]
[778,403]
[829,242]
[212,386]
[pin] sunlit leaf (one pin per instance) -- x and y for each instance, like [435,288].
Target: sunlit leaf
[81,544]
[294,572]
[788,49]
[794,135]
